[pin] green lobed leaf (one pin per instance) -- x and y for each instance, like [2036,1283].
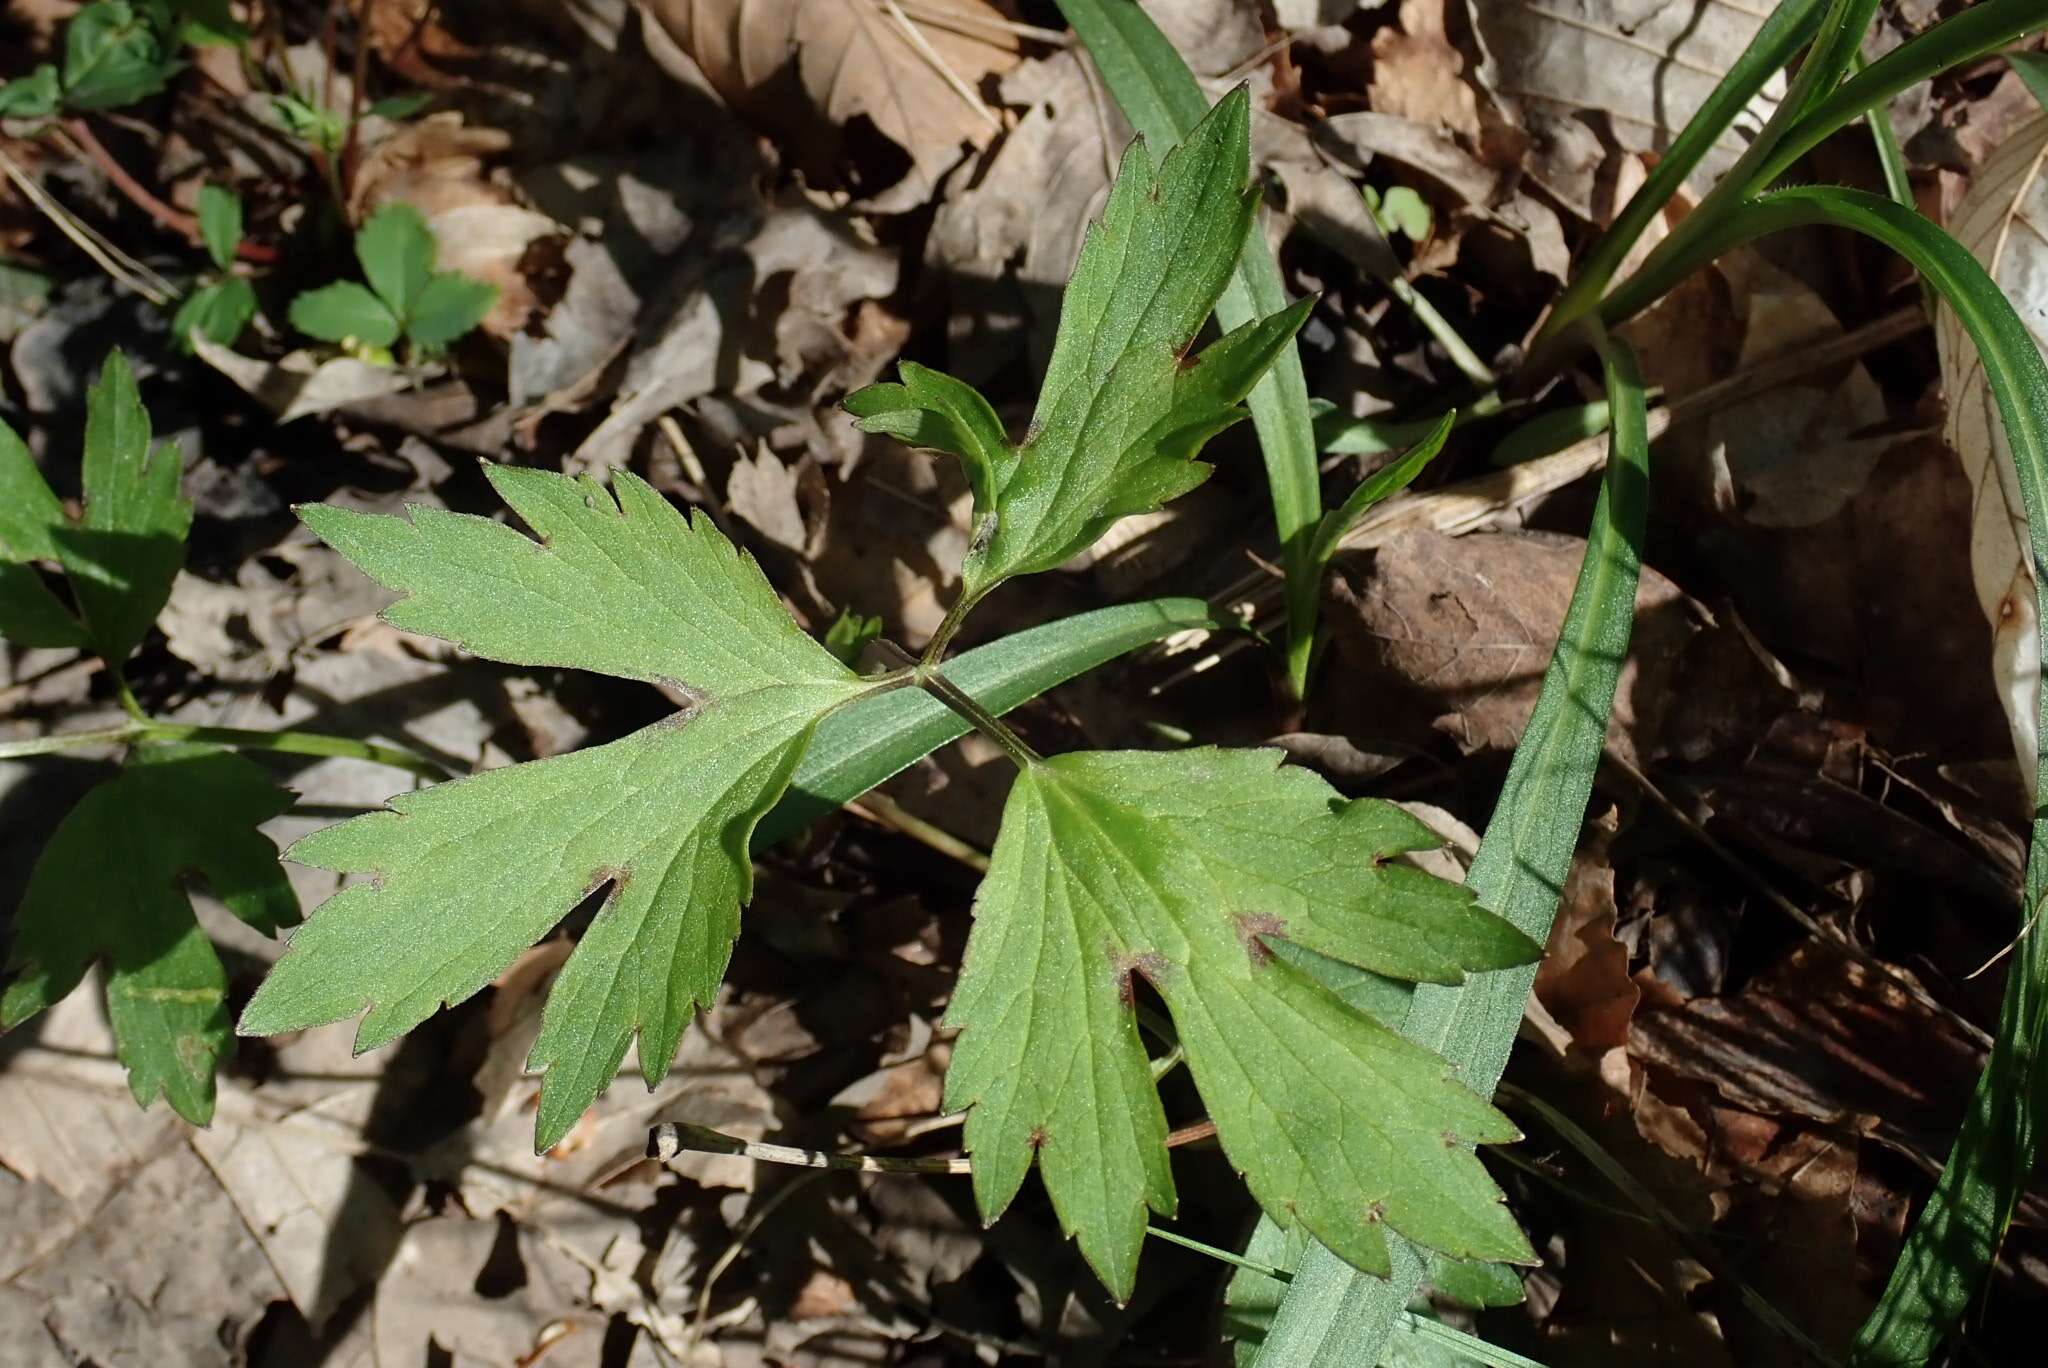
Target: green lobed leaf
[114,55]
[1331,1315]
[30,615]
[620,583]
[1183,868]
[932,410]
[450,307]
[1158,94]
[468,874]
[1125,408]
[110,887]
[129,543]
[220,223]
[397,251]
[34,96]
[343,311]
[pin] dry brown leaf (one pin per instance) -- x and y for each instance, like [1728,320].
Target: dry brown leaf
[2002,221]
[1464,627]
[808,71]
[1561,67]
[1418,74]
[1583,980]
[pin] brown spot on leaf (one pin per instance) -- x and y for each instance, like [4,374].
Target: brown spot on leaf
[1147,964]
[1250,927]
[1375,1212]
[618,876]
[1039,1137]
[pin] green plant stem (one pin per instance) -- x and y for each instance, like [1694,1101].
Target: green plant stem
[927,677]
[1891,160]
[1437,326]
[238,738]
[1224,1256]
[1157,92]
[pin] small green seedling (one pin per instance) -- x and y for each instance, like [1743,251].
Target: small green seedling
[117,53]
[406,297]
[1400,210]
[1213,879]
[325,130]
[221,307]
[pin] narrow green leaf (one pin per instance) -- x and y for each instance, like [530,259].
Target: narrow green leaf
[126,549]
[1333,1315]
[449,307]
[397,251]
[1158,95]
[1948,1254]
[619,583]
[110,886]
[344,312]
[466,875]
[873,739]
[220,223]
[1551,432]
[1182,867]
[1382,484]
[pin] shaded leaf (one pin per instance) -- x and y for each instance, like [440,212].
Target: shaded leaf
[220,310]
[220,223]
[114,55]
[397,251]
[172,811]
[130,541]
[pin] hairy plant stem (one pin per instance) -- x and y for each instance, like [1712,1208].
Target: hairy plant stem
[144,729]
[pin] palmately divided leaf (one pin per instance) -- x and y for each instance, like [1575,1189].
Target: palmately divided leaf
[466,875]
[109,886]
[1185,869]
[1125,407]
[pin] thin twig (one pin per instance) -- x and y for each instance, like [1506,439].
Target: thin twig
[142,197]
[930,54]
[110,258]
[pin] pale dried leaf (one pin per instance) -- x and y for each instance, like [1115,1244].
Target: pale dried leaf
[808,70]
[1640,66]
[2004,223]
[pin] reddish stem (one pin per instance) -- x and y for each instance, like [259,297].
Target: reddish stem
[140,195]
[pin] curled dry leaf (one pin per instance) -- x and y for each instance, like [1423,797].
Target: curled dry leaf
[809,72]
[2002,221]
[1643,69]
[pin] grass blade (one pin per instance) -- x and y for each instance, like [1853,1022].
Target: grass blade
[1382,484]
[1158,94]
[865,743]
[1948,1254]
[1790,28]
[1332,1314]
